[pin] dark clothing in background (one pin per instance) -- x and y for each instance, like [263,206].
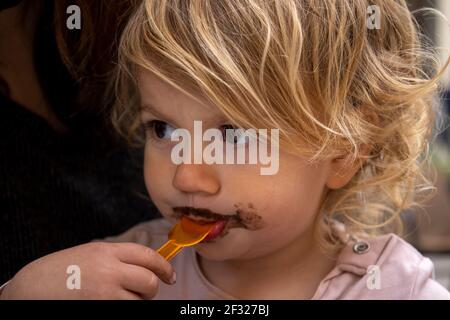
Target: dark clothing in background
[59,190]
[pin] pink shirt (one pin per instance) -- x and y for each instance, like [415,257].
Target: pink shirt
[388,268]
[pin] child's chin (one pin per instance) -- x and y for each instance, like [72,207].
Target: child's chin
[226,247]
[215,251]
[212,256]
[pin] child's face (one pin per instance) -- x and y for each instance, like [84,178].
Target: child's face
[269,212]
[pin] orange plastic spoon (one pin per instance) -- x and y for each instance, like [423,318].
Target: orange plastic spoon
[184,234]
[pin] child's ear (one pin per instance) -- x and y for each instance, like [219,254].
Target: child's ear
[343,168]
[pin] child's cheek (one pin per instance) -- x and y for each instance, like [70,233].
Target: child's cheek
[158,172]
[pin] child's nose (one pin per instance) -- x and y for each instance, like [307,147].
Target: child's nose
[196,178]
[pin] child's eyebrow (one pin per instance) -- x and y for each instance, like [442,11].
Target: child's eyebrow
[148,107]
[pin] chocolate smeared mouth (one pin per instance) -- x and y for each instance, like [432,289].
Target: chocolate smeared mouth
[199,214]
[241,218]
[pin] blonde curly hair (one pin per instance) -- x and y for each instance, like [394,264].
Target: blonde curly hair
[311,68]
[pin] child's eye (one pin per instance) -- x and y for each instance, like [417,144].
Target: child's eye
[159,129]
[235,136]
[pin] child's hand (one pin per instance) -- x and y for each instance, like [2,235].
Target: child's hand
[107,271]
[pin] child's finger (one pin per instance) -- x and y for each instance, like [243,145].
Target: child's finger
[140,280]
[140,255]
[128,295]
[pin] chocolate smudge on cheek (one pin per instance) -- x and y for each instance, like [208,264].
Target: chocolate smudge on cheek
[244,218]
[247,219]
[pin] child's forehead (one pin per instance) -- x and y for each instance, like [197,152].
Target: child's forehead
[161,98]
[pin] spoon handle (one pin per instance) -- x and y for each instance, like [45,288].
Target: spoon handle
[169,249]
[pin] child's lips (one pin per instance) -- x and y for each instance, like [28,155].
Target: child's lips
[205,216]
[246,219]
[217,230]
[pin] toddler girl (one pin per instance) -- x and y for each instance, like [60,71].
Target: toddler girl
[344,85]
